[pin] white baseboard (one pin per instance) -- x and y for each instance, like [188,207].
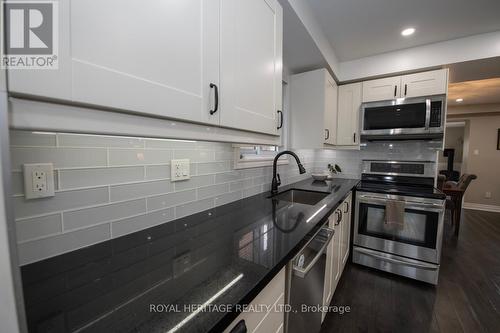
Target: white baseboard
[476,206]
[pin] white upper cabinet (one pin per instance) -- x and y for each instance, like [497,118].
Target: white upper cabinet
[164,59]
[411,85]
[425,84]
[313,110]
[349,103]
[381,89]
[331,92]
[251,64]
[48,83]
[157,59]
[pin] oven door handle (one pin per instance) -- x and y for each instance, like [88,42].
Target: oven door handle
[408,203]
[395,261]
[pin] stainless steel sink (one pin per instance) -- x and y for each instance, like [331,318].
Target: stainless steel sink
[301,196]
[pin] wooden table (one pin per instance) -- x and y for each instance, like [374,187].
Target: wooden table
[456,194]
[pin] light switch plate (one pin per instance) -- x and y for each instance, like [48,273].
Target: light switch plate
[179,170]
[38,180]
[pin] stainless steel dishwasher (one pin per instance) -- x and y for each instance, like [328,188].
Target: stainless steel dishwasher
[307,282]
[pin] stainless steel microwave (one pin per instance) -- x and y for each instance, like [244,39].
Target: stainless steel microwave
[409,118]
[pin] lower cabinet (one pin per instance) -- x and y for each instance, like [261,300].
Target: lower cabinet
[273,295]
[346,230]
[338,250]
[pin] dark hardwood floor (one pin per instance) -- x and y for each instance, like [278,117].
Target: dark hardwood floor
[466,299]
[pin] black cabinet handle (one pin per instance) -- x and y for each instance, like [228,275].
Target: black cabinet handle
[212,85]
[354,137]
[281,119]
[395,90]
[339,217]
[406,89]
[327,132]
[346,207]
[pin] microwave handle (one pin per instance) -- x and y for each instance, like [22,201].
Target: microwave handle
[427,113]
[395,90]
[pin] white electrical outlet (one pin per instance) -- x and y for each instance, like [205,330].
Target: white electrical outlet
[179,170]
[38,180]
[487,195]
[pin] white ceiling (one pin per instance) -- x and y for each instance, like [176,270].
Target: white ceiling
[361,28]
[474,70]
[475,92]
[300,53]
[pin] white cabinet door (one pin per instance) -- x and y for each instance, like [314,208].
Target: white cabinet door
[425,84]
[382,89]
[349,102]
[329,269]
[48,83]
[336,256]
[155,59]
[330,110]
[346,229]
[251,64]
[337,251]
[272,299]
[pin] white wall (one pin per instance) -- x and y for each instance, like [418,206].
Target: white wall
[482,137]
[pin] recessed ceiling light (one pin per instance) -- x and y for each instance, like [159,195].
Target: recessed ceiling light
[408,31]
[459,100]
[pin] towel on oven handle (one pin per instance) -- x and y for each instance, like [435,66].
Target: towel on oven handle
[395,214]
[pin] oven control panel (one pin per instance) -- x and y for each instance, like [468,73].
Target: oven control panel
[399,168]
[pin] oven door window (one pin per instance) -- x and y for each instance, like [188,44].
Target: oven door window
[395,116]
[420,227]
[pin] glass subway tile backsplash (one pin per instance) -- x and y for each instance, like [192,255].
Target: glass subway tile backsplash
[109,186]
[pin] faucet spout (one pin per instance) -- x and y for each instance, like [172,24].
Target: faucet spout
[276,177]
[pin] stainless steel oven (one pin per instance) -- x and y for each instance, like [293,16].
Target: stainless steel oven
[423,226]
[413,247]
[404,118]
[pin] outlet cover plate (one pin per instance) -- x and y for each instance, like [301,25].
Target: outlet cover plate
[38,180]
[179,170]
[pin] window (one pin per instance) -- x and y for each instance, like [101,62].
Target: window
[256,156]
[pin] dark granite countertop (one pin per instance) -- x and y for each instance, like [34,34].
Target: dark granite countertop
[223,256]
